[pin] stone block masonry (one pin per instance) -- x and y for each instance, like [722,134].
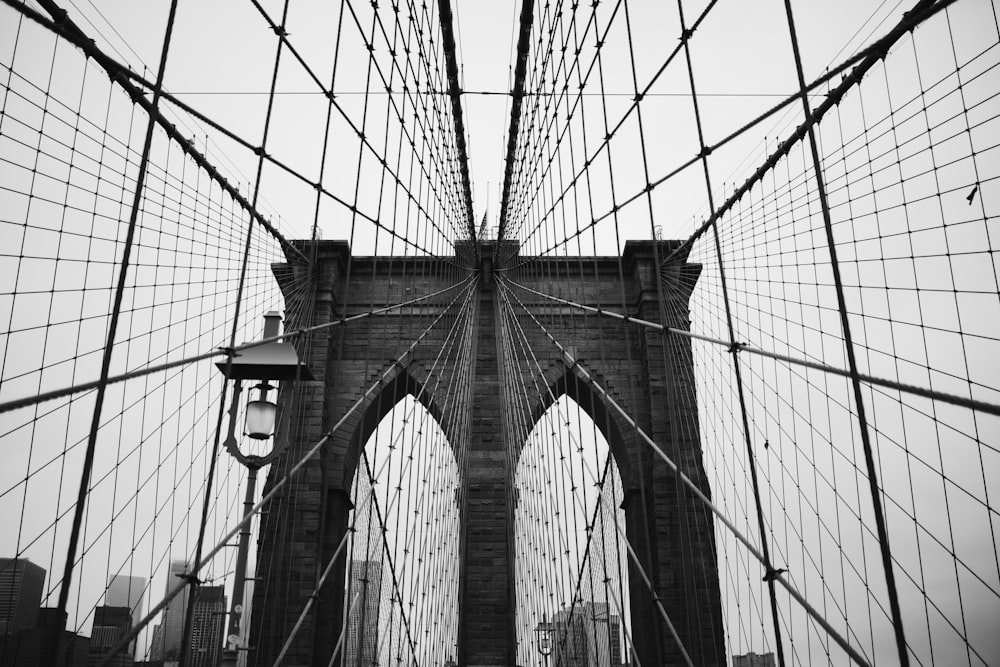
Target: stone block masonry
[671,533]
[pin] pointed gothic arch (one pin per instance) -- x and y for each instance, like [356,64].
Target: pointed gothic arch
[562,380]
[399,380]
[477,425]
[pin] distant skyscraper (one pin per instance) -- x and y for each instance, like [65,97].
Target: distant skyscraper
[754,660]
[589,635]
[156,644]
[208,626]
[110,625]
[173,615]
[42,644]
[21,586]
[124,591]
[604,645]
[569,638]
[361,648]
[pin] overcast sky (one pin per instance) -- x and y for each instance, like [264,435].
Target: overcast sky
[220,62]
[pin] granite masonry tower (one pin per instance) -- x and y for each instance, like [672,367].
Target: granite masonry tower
[671,532]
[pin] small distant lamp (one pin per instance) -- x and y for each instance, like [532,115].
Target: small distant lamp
[543,636]
[265,363]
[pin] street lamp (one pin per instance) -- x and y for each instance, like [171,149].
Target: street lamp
[265,363]
[543,639]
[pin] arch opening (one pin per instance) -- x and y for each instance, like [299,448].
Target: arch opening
[571,559]
[401,572]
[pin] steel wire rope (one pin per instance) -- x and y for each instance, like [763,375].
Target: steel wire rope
[463,365]
[364,142]
[749,547]
[291,472]
[763,535]
[552,436]
[536,109]
[862,577]
[966,108]
[593,475]
[866,58]
[590,157]
[5,116]
[610,458]
[768,486]
[412,588]
[87,386]
[192,579]
[548,417]
[112,329]
[678,352]
[366,575]
[423,388]
[546,445]
[121,58]
[664,314]
[451,186]
[885,548]
[633,390]
[548,451]
[528,441]
[70,32]
[937,187]
[305,313]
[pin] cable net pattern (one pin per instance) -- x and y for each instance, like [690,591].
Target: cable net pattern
[809,372]
[71,156]
[904,161]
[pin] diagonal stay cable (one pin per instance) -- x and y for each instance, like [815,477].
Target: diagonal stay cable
[280,483]
[446,344]
[365,142]
[876,53]
[526,348]
[26,401]
[586,377]
[867,58]
[933,394]
[124,263]
[125,78]
[64,27]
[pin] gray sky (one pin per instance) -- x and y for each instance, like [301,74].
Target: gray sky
[220,63]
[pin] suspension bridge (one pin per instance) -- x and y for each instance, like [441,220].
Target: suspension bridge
[715,380]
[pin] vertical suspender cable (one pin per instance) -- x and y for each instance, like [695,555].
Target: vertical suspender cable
[751,460]
[883,537]
[193,580]
[60,16]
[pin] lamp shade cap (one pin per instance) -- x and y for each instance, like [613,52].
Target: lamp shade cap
[270,361]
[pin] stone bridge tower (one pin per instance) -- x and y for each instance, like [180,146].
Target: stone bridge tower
[671,532]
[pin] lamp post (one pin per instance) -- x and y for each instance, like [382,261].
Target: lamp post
[543,639]
[274,361]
